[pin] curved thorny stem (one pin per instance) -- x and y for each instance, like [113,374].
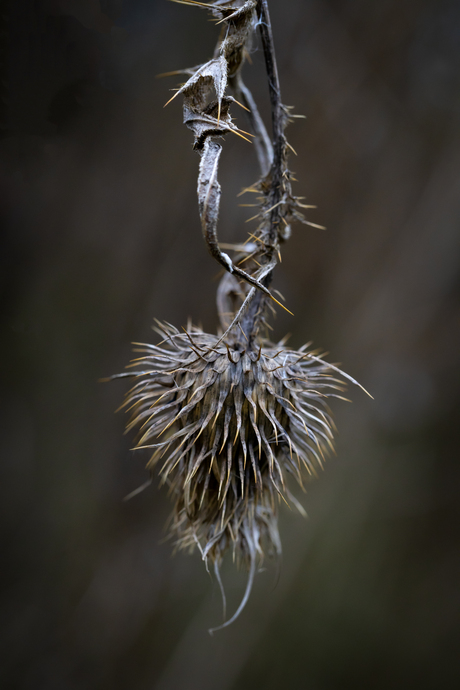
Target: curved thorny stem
[278,176]
[244,294]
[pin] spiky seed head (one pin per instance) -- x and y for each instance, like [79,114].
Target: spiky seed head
[228,426]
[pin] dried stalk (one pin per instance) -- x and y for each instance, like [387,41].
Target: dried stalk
[207,113]
[231,417]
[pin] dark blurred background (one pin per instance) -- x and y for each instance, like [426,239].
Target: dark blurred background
[100,234]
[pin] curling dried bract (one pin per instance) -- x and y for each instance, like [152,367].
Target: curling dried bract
[227,427]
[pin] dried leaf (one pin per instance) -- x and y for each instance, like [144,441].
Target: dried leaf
[196,89]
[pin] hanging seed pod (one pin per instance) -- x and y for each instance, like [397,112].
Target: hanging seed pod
[227,428]
[230,419]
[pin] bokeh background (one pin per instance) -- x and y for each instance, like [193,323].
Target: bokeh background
[101,234]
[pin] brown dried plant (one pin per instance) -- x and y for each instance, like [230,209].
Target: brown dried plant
[230,417]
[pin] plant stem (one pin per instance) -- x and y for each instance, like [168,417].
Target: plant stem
[274,179]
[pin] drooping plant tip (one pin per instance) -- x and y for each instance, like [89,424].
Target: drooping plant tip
[232,419]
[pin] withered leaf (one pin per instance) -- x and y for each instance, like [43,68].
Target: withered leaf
[215,72]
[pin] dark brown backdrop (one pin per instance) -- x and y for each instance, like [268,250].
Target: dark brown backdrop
[101,235]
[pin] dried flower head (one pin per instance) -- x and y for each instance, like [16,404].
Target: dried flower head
[228,426]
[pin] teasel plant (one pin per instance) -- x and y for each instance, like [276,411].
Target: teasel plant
[231,419]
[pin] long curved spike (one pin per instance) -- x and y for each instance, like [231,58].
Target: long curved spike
[244,601]
[221,587]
